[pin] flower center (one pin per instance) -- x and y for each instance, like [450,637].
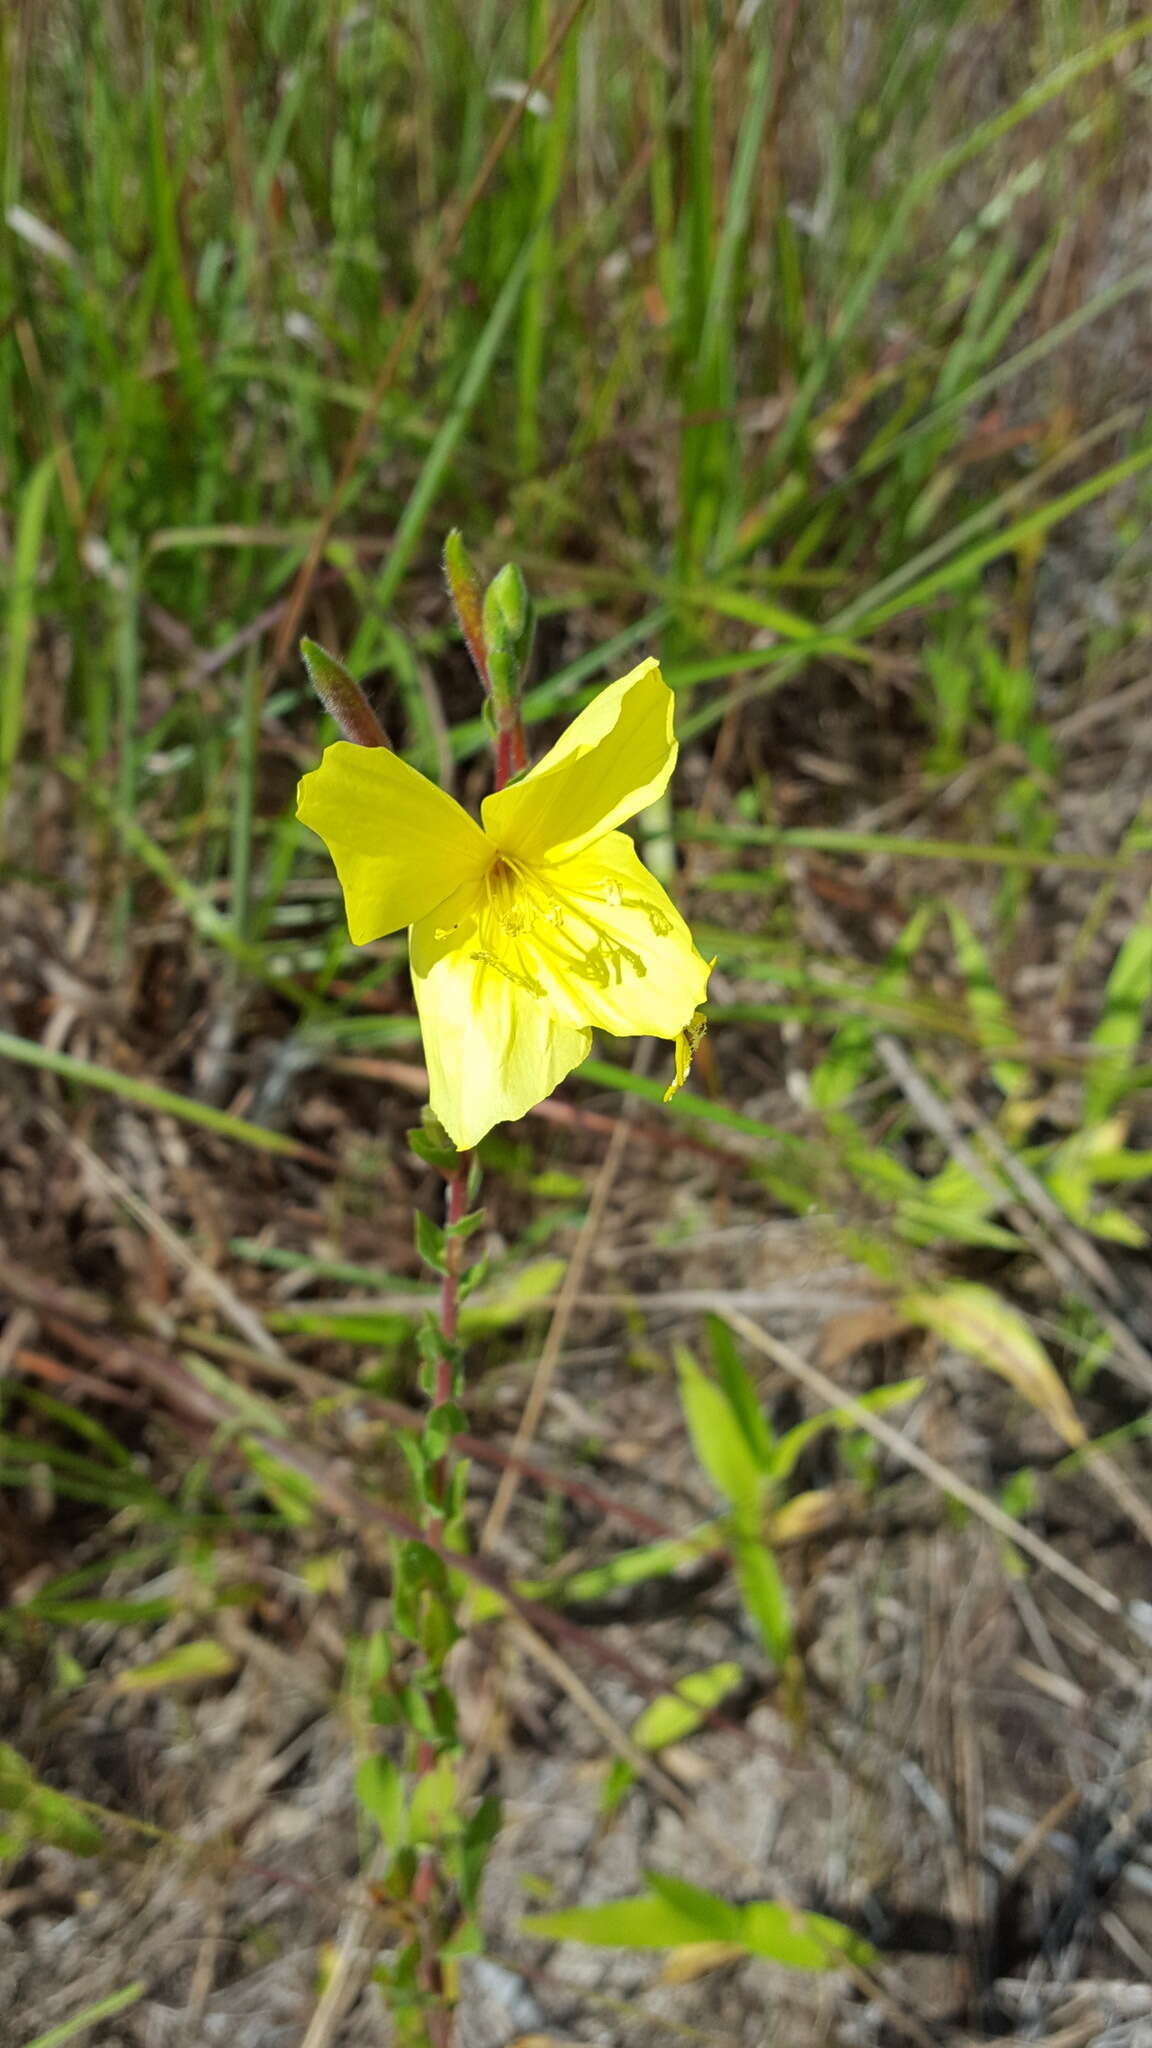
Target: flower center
[529,919]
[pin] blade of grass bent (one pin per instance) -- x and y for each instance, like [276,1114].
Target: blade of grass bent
[104,2009]
[148,1095]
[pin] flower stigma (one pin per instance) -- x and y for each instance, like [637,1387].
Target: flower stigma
[527,911]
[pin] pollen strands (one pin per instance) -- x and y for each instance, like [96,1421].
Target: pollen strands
[522,903]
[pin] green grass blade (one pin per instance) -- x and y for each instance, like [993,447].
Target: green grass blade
[919,189]
[104,2009]
[415,514]
[964,566]
[21,619]
[1119,1034]
[147,1095]
[550,147]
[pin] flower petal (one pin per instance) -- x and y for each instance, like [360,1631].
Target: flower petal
[615,758]
[602,941]
[399,844]
[494,1049]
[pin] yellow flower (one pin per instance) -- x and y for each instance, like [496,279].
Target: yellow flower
[526,933]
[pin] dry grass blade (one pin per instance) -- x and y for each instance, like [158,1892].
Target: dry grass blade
[350,1970]
[242,1318]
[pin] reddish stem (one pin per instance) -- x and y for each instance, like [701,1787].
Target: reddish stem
[511,755]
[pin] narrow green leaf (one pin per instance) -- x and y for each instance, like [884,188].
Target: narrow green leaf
[642,1922]
[190,1664]
[718,1438]
[21,613]
[104,2009]
[412,520]
[764,1595]
[678,1713]
[41,1814]
[877,1401]
[739,1389]
[989,1010]
[1117,1038]
[980,1322]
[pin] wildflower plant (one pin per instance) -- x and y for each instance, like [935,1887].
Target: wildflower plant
[532,927]
[528,929]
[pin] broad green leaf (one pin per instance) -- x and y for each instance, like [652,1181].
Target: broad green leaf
[471,1851]
[955,1189]
[675,1914]
[922,1220]
[380,1790]
[714,1918]
[430,1241]
[990,1330]
[619,1780]
[1091,1155]
[765,1927]
[1118,1227]
[434,1807]
[801,1941]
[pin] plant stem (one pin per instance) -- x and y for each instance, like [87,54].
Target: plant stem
[444,1388]
[455,1209]
[511,755]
